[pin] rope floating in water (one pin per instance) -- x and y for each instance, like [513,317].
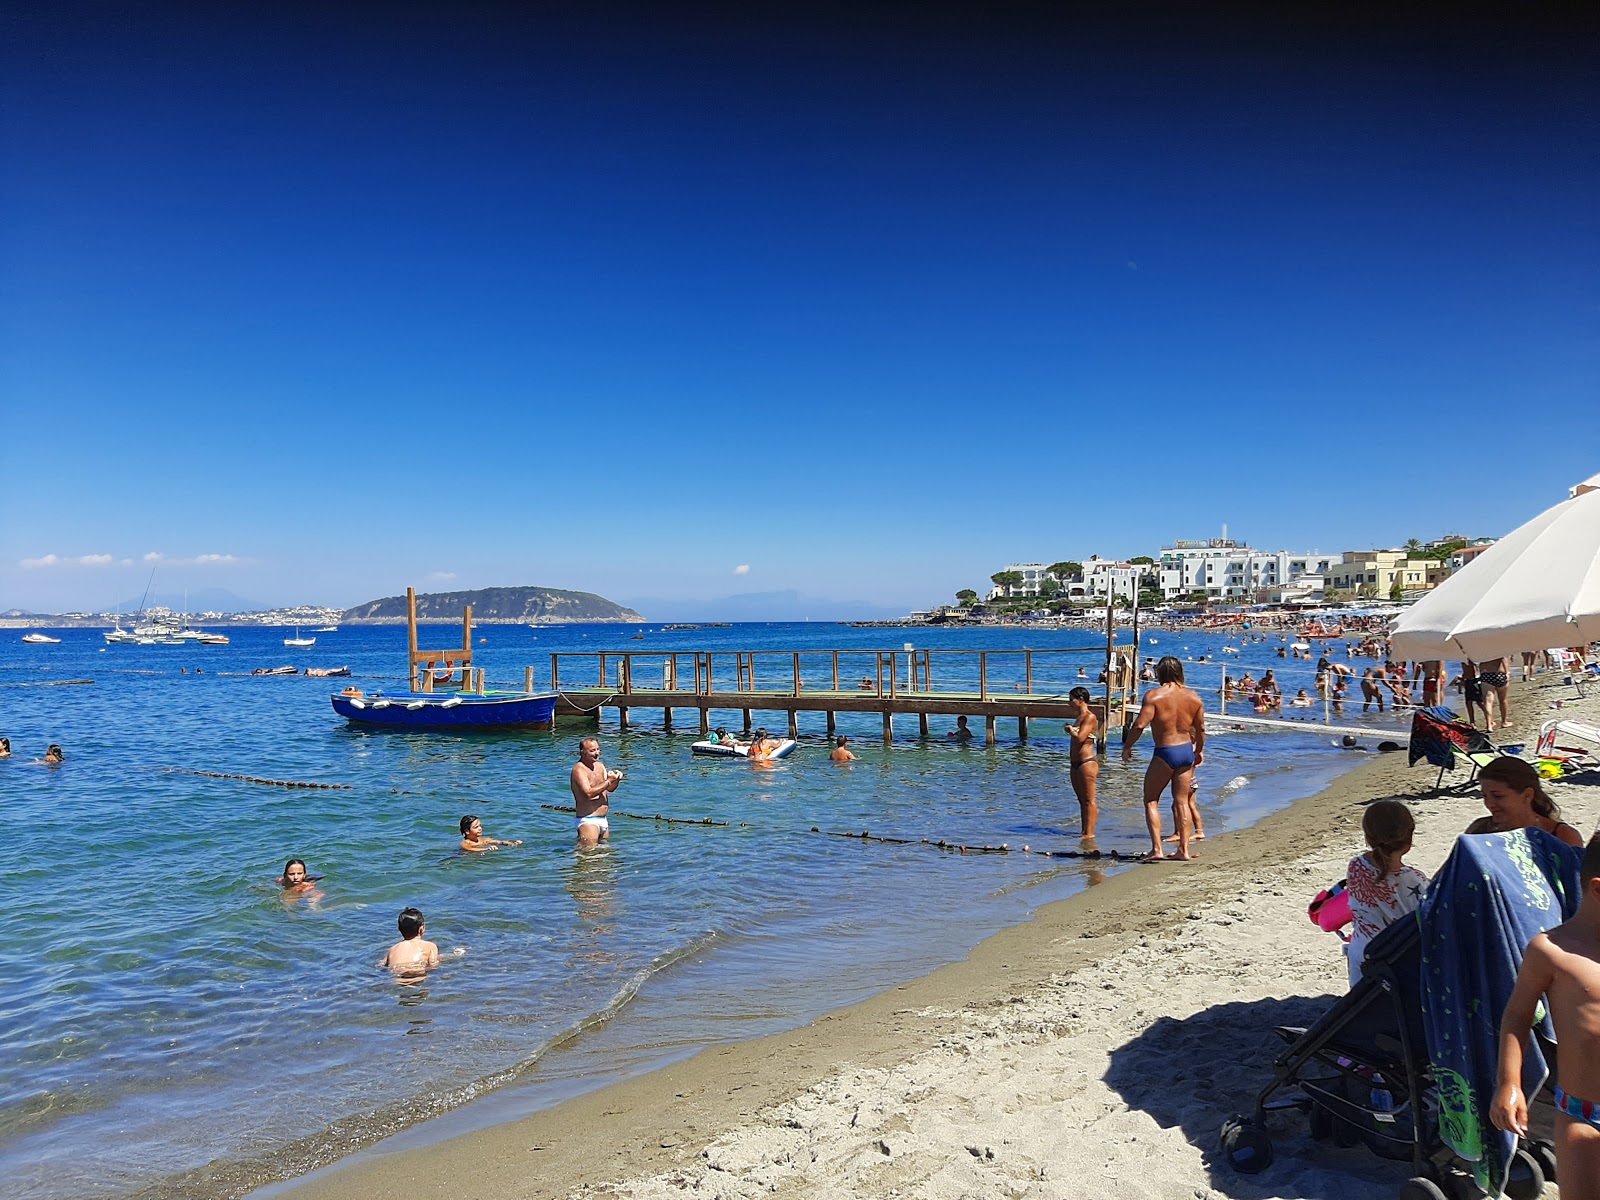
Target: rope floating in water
[567,808]
[283,783]
[865,836]
[1002,848]
[49,683]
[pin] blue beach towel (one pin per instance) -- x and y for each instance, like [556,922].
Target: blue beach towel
[1493,895]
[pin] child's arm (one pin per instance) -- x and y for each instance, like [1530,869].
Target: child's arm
[503,842]
[1509,1111]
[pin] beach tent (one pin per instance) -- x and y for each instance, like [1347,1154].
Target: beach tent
[1537,587]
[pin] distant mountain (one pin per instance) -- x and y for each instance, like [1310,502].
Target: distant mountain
[499,604]
[766,606]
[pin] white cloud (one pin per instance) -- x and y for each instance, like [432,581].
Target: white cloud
[155,557]
[442,576]
[742,569]
[55,560]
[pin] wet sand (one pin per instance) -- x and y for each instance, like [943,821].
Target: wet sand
[1092,1051]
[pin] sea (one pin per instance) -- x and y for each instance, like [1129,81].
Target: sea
[174,1024]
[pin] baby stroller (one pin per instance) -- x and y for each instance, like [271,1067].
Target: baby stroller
[1363,1073]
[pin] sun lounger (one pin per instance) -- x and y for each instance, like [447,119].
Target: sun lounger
[1438,736]
[1569,740]
[1579,673]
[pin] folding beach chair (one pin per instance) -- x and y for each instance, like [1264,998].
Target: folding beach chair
[1574,742]
[1578,673]
[1438,735]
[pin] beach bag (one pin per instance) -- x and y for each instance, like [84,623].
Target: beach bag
[1330,910]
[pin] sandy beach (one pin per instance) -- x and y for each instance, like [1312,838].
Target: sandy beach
[1093,1051]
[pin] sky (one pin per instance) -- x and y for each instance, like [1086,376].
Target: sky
[311,302]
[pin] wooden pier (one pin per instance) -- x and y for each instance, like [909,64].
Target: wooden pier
[1018,685]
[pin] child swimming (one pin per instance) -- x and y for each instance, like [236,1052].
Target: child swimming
[412,952]
[472,839]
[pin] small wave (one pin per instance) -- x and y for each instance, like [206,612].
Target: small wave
[1233,785]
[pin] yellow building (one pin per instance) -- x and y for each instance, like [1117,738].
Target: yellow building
[1381,569]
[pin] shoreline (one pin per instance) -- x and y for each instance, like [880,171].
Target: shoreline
[665,1122]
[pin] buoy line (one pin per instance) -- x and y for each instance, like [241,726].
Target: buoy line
[865,836]
[49,683]
[567,808]
[283,783]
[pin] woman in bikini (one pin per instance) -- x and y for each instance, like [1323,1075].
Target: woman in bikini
[1495,679]
[1515,800]
[1085,757]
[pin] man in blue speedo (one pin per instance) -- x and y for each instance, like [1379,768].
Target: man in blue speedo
[1177,721]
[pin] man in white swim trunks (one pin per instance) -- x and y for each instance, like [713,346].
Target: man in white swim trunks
[592,785]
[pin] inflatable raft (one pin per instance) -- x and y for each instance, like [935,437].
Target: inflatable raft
[717,750]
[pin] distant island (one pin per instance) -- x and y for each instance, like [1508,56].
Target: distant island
[496,606]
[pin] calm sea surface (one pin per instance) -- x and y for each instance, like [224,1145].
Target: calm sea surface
[165,1008]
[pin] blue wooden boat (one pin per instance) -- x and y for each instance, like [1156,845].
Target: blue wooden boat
[446,692]
[449,710]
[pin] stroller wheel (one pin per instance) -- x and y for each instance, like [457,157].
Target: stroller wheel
[1526,1180]
[1247,1145]
[1419,1187]
[1321,1122]
[1543,1153]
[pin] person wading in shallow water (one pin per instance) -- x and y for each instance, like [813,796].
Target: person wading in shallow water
[1176,718]
[1085,757]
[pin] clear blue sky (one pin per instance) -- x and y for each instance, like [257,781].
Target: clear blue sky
[870,299]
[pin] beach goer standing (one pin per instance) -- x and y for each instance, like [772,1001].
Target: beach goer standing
[1370,691]
[1562,968]
[592,785]
[1176,718]
[1472,691]
[1085,757]
[1496,683]
[841,751]
[412,953]
[1382,889]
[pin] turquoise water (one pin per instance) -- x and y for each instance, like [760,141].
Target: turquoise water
[166,1008]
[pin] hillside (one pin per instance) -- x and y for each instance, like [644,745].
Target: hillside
[530,605]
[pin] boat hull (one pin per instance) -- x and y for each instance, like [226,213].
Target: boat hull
[440,710]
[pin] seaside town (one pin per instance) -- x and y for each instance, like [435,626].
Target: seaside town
[621,602]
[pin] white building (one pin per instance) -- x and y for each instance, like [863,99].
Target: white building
[1033,574]
[1226,570]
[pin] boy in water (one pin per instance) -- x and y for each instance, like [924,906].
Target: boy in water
[1563,966]
[412,952]
[472,839]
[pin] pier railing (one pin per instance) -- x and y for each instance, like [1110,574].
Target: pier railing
[885,674]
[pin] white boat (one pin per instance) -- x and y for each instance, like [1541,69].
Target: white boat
[39,639]
[327,629]
[213,639]
[299,641]
[120,637]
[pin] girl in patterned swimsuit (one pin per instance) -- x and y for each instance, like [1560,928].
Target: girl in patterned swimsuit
[1382,889]
[1563,966]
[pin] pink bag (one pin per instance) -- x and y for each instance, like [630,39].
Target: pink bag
[1330,911]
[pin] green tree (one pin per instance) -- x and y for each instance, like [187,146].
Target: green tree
[1333,595]
[1149,598]
[1367,591]
[1396,592]
[1049,589]
[1143,560]
[1066,570]
[1413,547]
[1005,580]
[966,597]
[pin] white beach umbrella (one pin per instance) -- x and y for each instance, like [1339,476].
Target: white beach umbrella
[1537,587]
